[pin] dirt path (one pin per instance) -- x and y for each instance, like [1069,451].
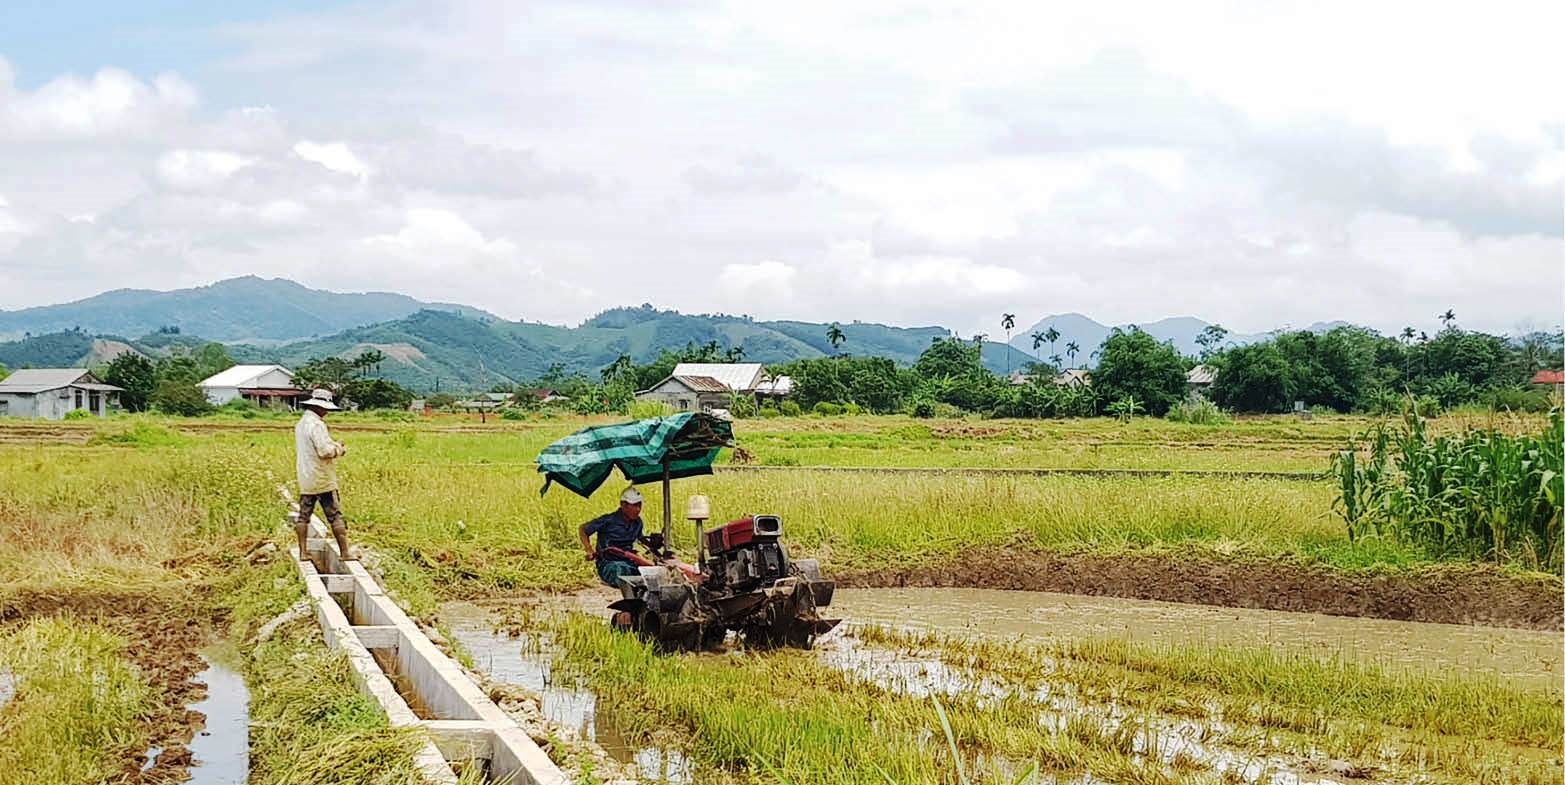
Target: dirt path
[1455,594]
[164,644]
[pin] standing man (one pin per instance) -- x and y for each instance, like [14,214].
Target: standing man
[316,460]
[618,532]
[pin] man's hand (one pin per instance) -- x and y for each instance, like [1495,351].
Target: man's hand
[342,449]
[592,555]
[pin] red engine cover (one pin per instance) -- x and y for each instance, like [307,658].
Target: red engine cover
[729,536]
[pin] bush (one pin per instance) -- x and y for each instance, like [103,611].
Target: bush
[184,399]
[1519,399]
[769,411]
[791,409]
[827,409]
[1197,412]
[240,407]
[852,409]
[646,410]
[78,414]
[513,413]
[922,409]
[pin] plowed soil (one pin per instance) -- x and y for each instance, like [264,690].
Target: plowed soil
[164,643]
[1456,594]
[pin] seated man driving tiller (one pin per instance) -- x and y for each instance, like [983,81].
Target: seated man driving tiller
[618,532]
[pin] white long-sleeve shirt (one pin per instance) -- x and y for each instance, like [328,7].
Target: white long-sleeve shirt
[316,454]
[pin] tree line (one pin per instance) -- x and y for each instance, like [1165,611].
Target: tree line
[171,384]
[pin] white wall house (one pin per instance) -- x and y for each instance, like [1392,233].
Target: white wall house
[265,385]
[51,393]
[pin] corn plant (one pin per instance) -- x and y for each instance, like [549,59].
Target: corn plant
[1481,494]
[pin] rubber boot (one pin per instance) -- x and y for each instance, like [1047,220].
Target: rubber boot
[340,531]
[302,528]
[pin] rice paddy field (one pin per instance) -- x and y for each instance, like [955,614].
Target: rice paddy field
[140,548]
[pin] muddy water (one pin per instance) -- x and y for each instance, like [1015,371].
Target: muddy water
[1525,657]
[1153,737]
[7,687]
[527,663]
[221,751]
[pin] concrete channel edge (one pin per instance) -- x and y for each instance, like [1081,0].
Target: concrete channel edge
[462,725]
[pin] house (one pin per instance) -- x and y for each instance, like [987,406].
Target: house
[1075,377]
[689,393]
[51,393]
[1555,379]
[1199,379]
[735,377]
[270,386]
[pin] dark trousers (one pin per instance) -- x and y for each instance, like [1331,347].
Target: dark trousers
[329,507]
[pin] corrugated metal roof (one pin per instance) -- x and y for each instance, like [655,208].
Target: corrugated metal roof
[1201,374]
[36,380]
[1549,377]
[741,377]
[1073,377]
[701,383]
[241,375]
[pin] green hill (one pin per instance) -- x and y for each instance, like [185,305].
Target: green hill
[239,309]
[432,349]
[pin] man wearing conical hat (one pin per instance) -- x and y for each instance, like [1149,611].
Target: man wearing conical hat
[316,459]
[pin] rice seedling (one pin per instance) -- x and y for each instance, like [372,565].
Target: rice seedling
[74,717]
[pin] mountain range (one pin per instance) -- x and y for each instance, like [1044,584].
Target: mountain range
[247,309]
[432,346]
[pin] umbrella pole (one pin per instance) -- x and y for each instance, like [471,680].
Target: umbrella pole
[668,507]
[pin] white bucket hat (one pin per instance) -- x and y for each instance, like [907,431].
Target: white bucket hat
[630,496]
[321,399]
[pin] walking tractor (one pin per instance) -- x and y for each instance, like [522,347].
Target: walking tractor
[742,580]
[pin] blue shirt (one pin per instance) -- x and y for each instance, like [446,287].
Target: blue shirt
[614,531]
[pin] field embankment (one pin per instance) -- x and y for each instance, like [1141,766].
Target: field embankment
[1447,593]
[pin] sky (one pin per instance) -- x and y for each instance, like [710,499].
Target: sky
[1260,165]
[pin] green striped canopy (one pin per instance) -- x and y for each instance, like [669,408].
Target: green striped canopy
[687,442]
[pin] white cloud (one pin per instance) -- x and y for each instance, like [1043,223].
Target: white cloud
[761,281]
[333,155]
[198,169]
[112,102]
[437,237]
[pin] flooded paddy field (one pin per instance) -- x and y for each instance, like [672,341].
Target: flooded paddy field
[1079,689]
[1075,689]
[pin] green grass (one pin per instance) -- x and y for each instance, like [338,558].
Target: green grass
[1468,729]
[74,718]
[457,513]
[785,717]
[793,717]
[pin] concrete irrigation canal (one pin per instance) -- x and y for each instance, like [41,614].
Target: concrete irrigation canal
[411,679]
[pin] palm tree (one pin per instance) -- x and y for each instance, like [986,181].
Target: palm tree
[734,354]
[1447,317]
[978,341]
[1038,340]
[834,335]
[1071,349]
[1407,334]
[1051,335]
[1056,358]
[1007,320]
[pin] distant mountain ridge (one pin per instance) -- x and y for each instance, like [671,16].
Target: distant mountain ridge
[433,349]
[238,309]
[1089,334]
[453,346]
